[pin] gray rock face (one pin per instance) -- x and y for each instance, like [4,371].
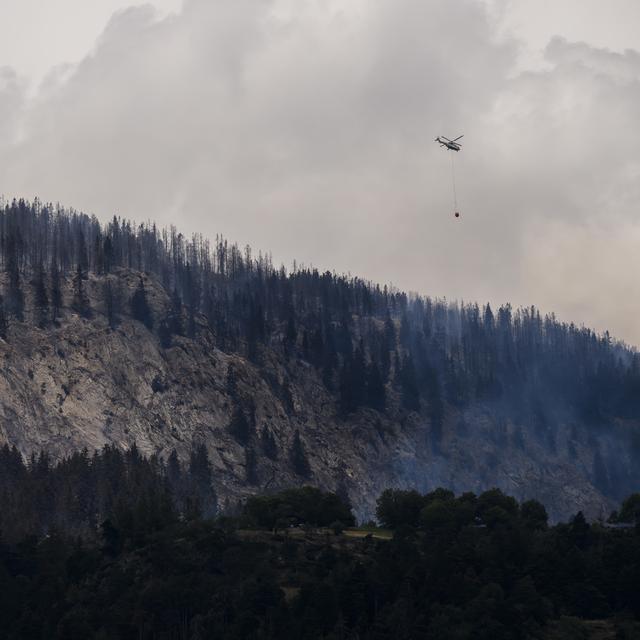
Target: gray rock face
[80,383]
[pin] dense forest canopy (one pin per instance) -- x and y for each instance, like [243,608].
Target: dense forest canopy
[117,545]
[361,337]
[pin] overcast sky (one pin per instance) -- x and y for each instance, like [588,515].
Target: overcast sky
[306,127]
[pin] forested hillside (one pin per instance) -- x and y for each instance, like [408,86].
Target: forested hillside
[120,546]
[402,390]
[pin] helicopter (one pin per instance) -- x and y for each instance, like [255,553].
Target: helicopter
[452,145]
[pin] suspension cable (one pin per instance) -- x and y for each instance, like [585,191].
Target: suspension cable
[453,182]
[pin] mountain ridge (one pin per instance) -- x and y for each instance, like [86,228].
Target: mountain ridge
[119,333]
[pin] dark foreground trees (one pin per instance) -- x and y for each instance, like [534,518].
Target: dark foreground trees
[306,506]
[102,547]
[136,494]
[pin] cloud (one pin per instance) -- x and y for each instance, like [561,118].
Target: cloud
[12,100]
[306,128]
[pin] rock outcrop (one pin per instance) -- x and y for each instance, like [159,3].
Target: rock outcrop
[81,383]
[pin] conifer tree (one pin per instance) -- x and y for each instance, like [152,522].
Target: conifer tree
[107,252]
[409,385]
[353,382]
[298,457]
[359,374]
[174,319]
[40,298]
[405,332]
[290,336]
[435,407]
[83,255]
[174,471]
[98,254]
[385,362]
[268,443]
[389,334]
[111,295]
[81,304]
[171,324]
[56,291]
[251,466]
[164,334]
[140,308]
[232,381]
[4,328]
[201,477]
[15,296]
[240,427]
[346,399]
[375,390]
[192,298]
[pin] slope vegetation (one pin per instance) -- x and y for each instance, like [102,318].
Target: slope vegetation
[122,333]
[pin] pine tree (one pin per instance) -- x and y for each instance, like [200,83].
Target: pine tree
[140,308]
[251,466]
[346,400]
[15,296]
[240,427]
[201,477]
[385,362]
[329,357]
[389,334]
[287,398]
[435,407]
[405,332]
[107,253]
[40,298]
[111,295]
[56,291]
[81,303]
[359,375]
[409,385]
[376,394]
[290,336]
[4,328]
[174,472]
[268,444]
[316,348]
[174,318]
[83,255]
[192,298]
[164,334]
[255,330]
[352,384]
[298,457]
[199,466]
[171,324]
[453,383]
[232,381]
[98,254]
[342,489]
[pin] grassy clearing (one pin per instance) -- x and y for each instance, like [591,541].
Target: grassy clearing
[570,627]
[363,532]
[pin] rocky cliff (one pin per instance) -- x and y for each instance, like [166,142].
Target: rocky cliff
[83,383]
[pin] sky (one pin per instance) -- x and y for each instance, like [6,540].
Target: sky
[306,128]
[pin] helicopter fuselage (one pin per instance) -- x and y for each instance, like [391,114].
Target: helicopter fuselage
[450,144]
